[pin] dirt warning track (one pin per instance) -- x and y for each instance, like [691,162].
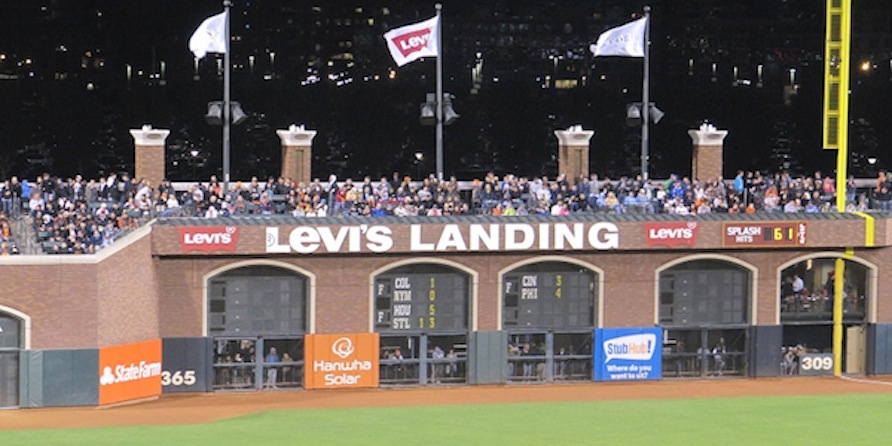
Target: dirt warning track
[201,408]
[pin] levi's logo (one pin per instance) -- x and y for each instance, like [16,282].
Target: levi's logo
[413,41]
[671,234]
[208,238]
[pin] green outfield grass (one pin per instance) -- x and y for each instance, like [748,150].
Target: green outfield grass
[806,420]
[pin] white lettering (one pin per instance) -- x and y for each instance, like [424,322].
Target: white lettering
[379,238]
[340,380]
[333,243]
[346,366]
[402,296]
[603,235]
[667,233]
[415,240]
[734,231]
[511,237]
[304,240]
[563,234]
[272,242]
[544,236]
[133,371]
[414,42]
[451,238]
[207,239]
[488,236]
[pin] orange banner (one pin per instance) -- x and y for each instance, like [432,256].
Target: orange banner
[341,361]
[129,372]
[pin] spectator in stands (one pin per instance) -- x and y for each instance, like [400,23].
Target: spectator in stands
[718,353]
[884,198]
[6,197]
[272,369]
[792,206]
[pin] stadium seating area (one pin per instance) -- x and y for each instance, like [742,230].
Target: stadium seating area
[79,216]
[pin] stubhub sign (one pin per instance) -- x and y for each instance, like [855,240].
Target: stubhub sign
[628,354]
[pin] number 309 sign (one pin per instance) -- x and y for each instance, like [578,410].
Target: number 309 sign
[816,364]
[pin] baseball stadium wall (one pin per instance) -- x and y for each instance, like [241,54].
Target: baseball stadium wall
[228,304]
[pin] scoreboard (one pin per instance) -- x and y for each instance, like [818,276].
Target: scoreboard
[793,233]
[421,302]
[545,299]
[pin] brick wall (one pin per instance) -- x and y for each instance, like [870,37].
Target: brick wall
[147,288]
[150,164]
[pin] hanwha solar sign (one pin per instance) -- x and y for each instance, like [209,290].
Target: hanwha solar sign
[342,361]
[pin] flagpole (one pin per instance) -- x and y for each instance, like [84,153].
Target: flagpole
[226,103]
[645,98]
[439,9]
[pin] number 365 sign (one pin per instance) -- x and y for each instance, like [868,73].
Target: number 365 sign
[185,363]
[816,364]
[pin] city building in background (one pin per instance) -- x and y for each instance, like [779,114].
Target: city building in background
[75,75]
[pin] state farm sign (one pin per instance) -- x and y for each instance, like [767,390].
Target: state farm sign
[671,234]
[208,238]
[129,372]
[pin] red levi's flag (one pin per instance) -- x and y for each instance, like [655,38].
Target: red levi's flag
[412,42]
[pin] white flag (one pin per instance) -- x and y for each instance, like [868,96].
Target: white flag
[626,40]
[412,42]
[210,37]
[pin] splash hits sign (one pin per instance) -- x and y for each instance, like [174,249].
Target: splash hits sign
[628,354]
[342,361]
[412,42]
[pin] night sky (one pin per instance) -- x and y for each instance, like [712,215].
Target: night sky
[76,75]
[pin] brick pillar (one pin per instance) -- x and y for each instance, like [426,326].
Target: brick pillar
[573,148]
[297,153]
[708,146]
[150,162]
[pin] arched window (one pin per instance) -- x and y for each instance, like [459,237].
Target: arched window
[703,292]
[257,300]
[11,342]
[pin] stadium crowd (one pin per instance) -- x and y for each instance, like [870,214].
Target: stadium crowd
[79,216]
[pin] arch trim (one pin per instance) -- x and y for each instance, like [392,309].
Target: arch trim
[550,259]
[753,285]
[472,286]
[26,324]
[872,277]
[311,305]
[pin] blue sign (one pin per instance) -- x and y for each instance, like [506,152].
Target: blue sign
[628,354]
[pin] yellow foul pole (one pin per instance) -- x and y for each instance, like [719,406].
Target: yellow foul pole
[836,136]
